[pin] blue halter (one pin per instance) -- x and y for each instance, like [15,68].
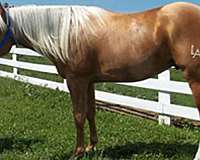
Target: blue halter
[9,33]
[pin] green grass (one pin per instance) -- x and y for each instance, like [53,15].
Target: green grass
[37,123]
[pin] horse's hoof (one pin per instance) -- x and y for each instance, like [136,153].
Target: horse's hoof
[76,157]
[90,148]
[78,153]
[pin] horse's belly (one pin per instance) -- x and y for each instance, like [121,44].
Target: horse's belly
[135,66]
[132,73]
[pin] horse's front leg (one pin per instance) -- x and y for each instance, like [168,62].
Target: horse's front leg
[79,95]
[91,109]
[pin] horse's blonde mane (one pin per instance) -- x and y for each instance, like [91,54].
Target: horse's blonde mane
[2,25]
[49,28]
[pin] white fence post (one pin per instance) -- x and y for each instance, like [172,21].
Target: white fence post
[164,99]
[14,58]
[65,82]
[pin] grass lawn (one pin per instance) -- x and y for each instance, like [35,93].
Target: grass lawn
[37,123]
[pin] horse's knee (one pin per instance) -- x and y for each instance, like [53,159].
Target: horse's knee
[79,119]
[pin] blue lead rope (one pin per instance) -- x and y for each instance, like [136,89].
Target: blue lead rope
[8,35]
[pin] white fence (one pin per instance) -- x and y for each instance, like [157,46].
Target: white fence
[162,84]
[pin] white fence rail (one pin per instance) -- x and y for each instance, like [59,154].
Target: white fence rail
[163,84]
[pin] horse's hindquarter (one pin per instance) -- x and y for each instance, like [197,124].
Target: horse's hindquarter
[132,48]
[184,34]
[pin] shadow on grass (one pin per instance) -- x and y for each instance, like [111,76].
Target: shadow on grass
[129,150]
[167,150]
[21,144]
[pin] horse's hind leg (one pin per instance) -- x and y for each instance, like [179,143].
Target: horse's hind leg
[195,86]
[197,157]
[78,90]
[91,109]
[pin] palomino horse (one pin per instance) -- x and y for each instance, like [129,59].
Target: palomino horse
[90,44]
